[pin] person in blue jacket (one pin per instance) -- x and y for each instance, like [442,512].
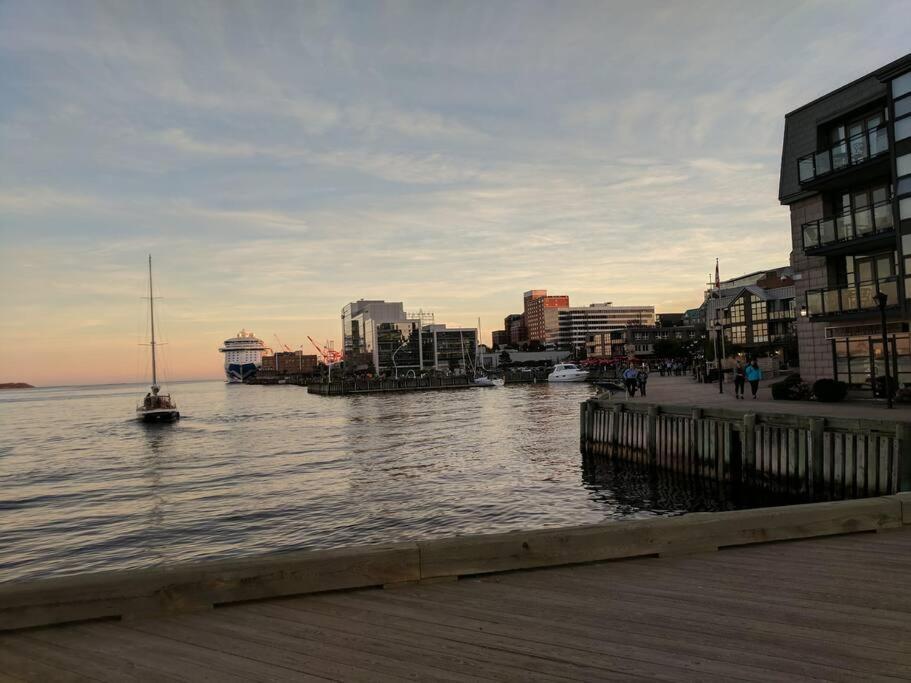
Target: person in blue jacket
[754,374]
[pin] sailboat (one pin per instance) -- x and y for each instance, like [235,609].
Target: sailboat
[155,407]
[480,378]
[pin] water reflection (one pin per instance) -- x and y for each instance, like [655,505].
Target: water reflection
[263,469]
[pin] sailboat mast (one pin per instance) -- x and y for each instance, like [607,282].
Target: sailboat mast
[152,317]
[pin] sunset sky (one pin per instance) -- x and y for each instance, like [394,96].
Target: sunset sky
[279,159]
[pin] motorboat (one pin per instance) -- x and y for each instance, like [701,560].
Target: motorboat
[567,372]
[155,407]
[485,381]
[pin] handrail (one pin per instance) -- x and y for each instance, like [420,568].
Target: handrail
[869,220]
[735,417]
[845,153]
[849,298]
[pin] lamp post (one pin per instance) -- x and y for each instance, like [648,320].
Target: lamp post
[394,366]
[718,327]
[881,299]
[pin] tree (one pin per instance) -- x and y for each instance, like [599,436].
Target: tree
[505,358]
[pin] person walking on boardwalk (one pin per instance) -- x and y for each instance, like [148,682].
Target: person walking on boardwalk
[753,375]
[740,378]
[641,380]
[630,379]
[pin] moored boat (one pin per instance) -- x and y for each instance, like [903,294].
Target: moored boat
[567,372]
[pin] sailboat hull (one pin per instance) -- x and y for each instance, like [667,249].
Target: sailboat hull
[158,415]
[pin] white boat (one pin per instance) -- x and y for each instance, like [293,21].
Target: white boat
[567,372]
[484,381]
[155,407]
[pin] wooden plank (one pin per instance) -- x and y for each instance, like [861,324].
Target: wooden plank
[386,649]
[637,621]
[610,651]
[452,639]
[336,666]
[27,668]
[43,646]
[577,627]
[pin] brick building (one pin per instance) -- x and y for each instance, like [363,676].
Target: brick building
[541,315]
[846,176]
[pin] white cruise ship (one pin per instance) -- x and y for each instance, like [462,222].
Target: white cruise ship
[243,356]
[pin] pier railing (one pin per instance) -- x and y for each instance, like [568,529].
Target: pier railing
[820,458]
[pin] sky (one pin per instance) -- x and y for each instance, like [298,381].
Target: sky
[279,159]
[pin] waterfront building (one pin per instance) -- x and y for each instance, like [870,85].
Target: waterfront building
[541,320]
[575,324]
[243,356]
[846,177]
[638,341]
[514,324]
[756,311]
[499,338]
[381,335]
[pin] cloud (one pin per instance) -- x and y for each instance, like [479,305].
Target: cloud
[280,160]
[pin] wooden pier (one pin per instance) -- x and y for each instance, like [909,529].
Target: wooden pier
[819,458]
[383,386]
[831,606]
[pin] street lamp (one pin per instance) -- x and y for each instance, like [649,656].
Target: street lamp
[803,311]
[394,366]
[881,299]
[718,328]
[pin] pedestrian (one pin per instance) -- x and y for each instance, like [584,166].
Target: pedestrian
[753,375]
[641,381]
[739,380]
[630,379]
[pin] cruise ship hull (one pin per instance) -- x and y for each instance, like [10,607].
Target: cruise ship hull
[235,373]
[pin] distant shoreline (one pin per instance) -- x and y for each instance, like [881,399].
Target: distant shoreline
[16,385]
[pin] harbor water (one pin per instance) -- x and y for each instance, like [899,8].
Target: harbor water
[254,469]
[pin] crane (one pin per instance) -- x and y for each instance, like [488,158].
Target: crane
[329,355]
[281,343]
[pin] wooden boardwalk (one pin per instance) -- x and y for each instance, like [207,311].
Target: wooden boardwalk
[836,608]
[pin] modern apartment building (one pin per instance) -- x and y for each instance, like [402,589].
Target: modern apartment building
[575,324]
[846,176]
[381,335]
[541,322]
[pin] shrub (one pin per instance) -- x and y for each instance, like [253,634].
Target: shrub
[829,390]
[879,388]
[903,395]
[791,388]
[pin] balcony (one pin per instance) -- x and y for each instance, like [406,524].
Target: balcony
[856,298]
[865,223]
[855,150]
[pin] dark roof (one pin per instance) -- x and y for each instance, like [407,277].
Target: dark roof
[800,125]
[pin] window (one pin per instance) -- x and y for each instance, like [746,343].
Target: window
[737,312]
[903,128]
[737,334]
[759,310]
[904,164]
[760,333]
[901,85]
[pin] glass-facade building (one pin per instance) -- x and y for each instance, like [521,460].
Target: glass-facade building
[846,177]
[381,337]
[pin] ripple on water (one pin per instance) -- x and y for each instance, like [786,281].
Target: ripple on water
[266,469]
